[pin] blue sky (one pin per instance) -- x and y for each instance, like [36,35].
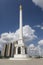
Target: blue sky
[9,16]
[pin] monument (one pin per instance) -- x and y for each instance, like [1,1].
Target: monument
[21,48]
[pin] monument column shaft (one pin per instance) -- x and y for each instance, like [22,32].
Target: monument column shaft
[21,28]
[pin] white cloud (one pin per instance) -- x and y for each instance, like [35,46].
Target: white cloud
[40,42]
[40,47]
[39,26]
[28,35]
[38,2]
[2,41]
[33,51]
[31,46]
[8,37]
[36,50]
[42,27]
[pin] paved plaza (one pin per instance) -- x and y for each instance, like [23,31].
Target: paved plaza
[22,62]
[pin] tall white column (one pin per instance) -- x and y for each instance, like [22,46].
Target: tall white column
[21,28]
[3,50]
[12,49]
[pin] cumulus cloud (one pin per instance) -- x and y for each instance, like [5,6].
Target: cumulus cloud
[40,47]
[31,46]
[36,51]
[8,37]
[28,35]
[32,50]
[2,41]
[38,2]
[40,42]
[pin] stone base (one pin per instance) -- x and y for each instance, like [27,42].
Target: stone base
[20,57]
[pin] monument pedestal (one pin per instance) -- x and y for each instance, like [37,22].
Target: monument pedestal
[20,57]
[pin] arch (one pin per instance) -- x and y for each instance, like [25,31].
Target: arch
[25,50]
[19,50]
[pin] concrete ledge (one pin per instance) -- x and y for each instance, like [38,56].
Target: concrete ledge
[20,57]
